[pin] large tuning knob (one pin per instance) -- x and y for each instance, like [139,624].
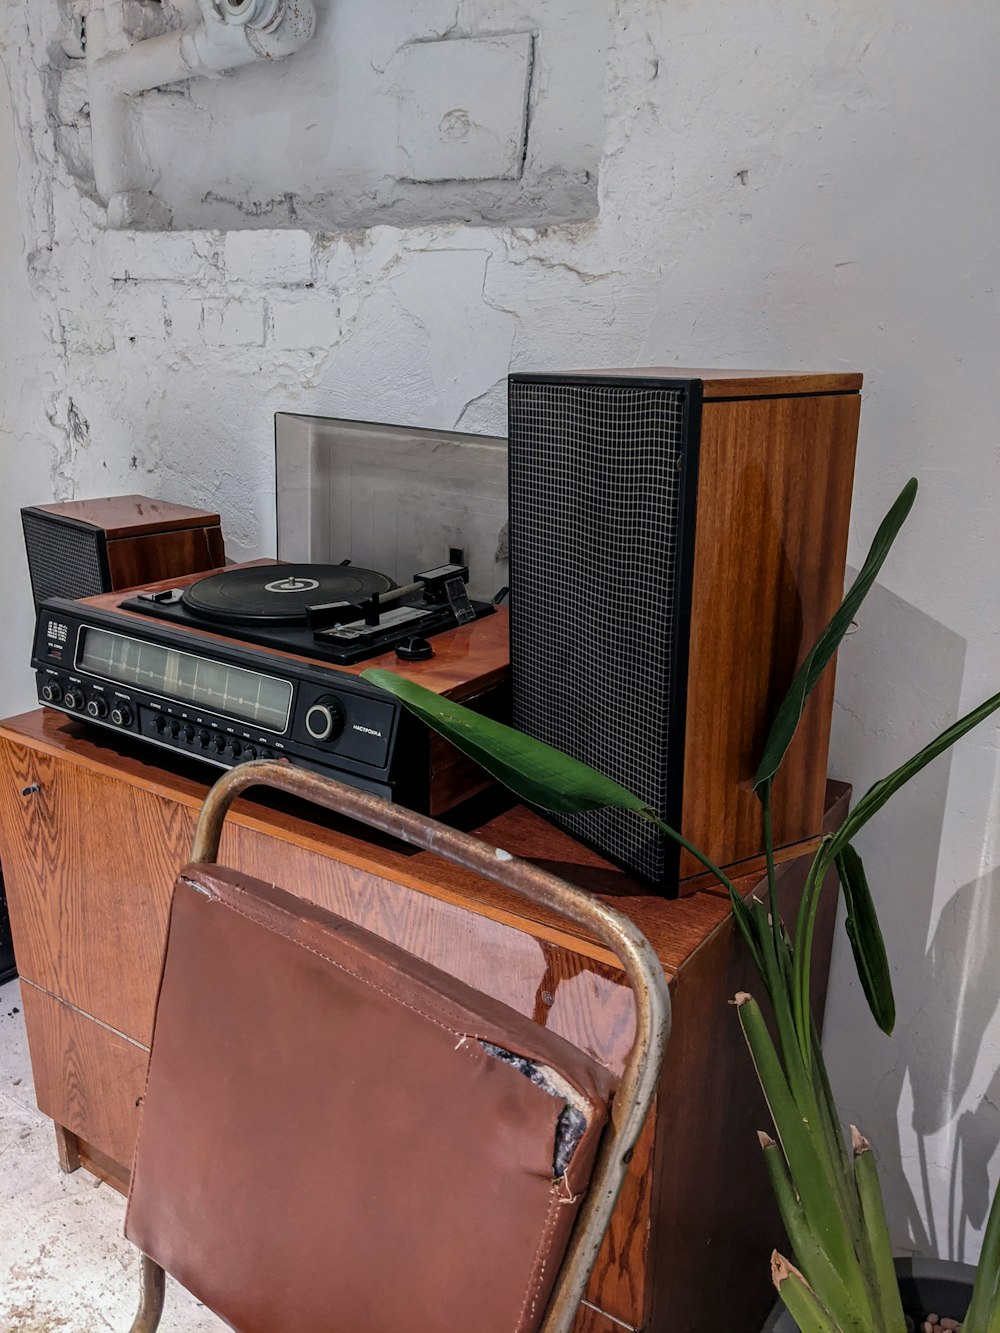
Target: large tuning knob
[325,719]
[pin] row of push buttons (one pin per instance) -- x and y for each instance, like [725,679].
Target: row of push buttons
[214,742]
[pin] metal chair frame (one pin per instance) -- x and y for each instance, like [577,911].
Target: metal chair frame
[616,932]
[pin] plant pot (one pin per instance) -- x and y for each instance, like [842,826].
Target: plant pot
[929,1286]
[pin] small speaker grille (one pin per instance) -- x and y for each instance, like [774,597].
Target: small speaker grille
[596,485]
[63,559]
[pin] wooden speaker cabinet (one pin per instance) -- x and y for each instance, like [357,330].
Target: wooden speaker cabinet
[85,547]
[677,541]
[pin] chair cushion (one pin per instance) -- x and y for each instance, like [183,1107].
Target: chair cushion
[337,1137]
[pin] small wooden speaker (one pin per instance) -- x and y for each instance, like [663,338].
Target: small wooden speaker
[677,541]
[85,547]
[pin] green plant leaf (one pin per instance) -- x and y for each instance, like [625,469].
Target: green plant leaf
[984,1309]
[802,1141]
[874,799]
[800,1299]
[865,935]
[843,1294]
[534,771]
[790,711]
[890,1306]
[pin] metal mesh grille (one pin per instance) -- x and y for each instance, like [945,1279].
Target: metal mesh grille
[63,559]
[595,500]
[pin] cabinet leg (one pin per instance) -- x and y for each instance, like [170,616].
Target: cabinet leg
[67,1148]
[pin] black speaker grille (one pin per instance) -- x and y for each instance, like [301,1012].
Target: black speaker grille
[597,476]
[64,559]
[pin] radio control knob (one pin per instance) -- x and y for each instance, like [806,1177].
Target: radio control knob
[160,725]
[325,719]
[266,754]
[249,752]
[203,739]
[234,749]
[98,707]
[218,743]
[189,732]
[51,692]
[121,715]
[73,699]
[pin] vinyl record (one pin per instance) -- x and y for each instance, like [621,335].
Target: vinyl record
[279,594]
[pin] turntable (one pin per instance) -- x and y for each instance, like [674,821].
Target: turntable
[336,613]
[264,660]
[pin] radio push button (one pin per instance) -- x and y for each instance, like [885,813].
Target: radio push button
[73,699]
[325,719]
[98,707]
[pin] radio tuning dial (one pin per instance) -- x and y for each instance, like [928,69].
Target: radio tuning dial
[325,719]
[98,707]
[73,699]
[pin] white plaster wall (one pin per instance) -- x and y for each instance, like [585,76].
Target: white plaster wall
[779,187]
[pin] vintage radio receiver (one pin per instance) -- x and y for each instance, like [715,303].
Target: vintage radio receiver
[280,677]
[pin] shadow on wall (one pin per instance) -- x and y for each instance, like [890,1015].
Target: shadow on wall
[899,683]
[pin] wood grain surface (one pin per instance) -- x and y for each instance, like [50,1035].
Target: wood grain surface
[774,501]
[87,1078]
[689,1238]
[131,515]
[743,383]
[163,555]
[674,927]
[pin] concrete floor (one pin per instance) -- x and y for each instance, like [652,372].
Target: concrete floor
[64,1263]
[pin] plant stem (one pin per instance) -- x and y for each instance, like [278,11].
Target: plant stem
[890,1307]
[772,877]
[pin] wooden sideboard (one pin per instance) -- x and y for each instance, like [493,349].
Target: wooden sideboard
[91,838]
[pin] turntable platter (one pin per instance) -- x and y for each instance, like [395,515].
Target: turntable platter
[279,594]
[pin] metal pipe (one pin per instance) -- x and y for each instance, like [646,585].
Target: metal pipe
[223,37]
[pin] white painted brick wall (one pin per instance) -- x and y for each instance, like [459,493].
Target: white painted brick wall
[172,256]
[234,323]
[269,258]
[308,321]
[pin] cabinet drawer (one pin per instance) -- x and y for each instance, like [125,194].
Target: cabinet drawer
[88,1079]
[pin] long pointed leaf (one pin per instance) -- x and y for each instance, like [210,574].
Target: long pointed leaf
[985,1305]
[790,711]
[874,799]
[799,1298]
[534,771]
[892,1319]
[844,1294]
[865,935]
[801,1140]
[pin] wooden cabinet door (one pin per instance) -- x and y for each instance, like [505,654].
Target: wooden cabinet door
[89,863]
